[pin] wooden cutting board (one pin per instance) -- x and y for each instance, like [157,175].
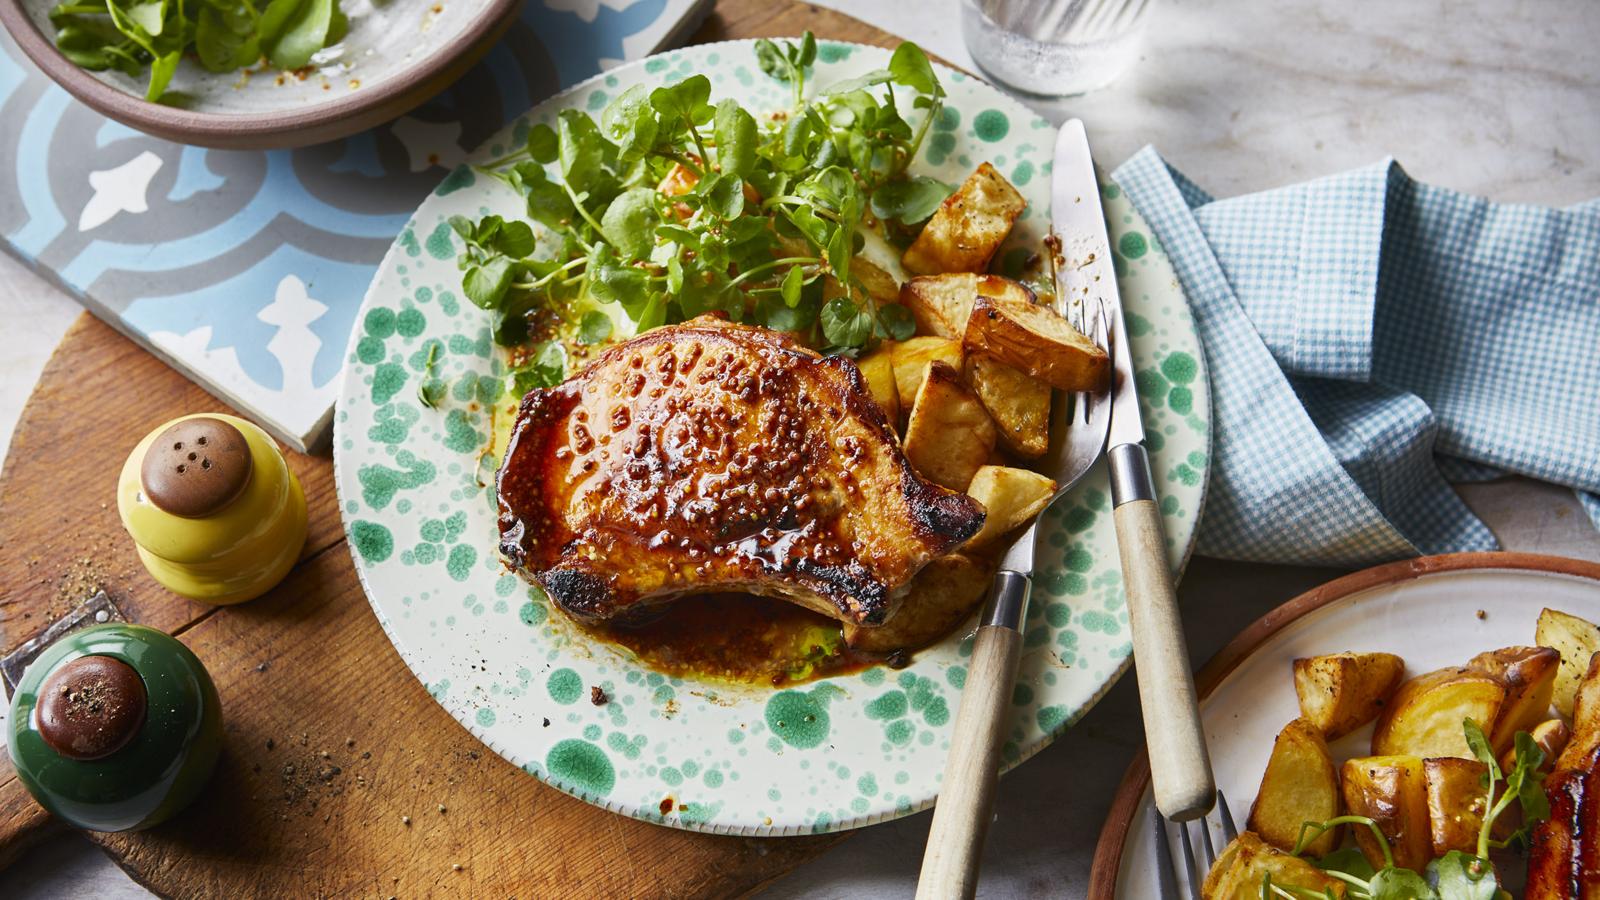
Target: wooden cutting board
[340,775]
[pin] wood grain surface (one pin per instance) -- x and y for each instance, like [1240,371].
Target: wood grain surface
[339,775]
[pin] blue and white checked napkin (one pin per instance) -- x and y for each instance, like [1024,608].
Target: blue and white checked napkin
[1369,339]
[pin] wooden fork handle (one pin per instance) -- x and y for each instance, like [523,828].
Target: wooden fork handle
[1180,767]
[961,816]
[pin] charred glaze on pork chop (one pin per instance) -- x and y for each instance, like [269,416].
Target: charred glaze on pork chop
[710,456]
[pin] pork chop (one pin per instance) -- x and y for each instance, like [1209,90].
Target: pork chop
[713,457]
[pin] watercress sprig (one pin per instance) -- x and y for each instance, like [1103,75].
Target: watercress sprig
[671,206]
[789,62]
[224,35]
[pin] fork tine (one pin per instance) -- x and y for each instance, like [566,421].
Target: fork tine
[1206,844]
[1195,876]
[1229,830]
[1100,334]
[1166,875]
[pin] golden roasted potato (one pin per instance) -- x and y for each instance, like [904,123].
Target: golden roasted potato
[940,597]
[1455,803]
[877,370]
[940,304]
[1245,863]
[880,285]
[678,181]
[1393,792]
[1033,338]
[949,436]
[911,360]
[1300,785]
[968,227]
[1576,640]
[1018,403]
[1010,496]
[999,287]
[1424,717]
[1341,692]
[1223,867]
[1551,735]
[1585,718]
[1529,677]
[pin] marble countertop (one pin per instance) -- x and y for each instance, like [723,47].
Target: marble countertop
[1496,97]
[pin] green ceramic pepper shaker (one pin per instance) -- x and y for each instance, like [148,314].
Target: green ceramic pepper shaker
[115,727]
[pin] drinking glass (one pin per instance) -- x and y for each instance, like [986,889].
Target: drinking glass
[1054,48]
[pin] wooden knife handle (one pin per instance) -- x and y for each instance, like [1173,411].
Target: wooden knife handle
[1180,767]
[961,815]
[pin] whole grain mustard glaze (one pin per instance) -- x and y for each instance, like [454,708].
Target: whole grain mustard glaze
[213,507]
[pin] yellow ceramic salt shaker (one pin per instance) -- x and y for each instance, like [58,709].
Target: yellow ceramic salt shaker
[215,511]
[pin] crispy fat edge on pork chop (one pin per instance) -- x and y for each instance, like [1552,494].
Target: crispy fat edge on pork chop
[565,558]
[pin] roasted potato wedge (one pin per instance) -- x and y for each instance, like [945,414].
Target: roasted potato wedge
[943,594]
[880,285]
[949,437]
[911,360]
[1529,677]
[1300,785]
[1393,792]
[1341,692]
[1576,640]
[678,181]
[1551,735]
[999,287]
[1585,718]
[940,304]
[968,227]
[877,369]
[1425,715]
[1018,403]
[1010,496]
[1246,862]
[1035,339]
[1455,803]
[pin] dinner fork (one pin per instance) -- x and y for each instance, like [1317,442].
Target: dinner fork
[1079,424]
[1195,866]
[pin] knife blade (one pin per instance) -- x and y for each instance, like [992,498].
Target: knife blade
[1180,766]
[1087,274]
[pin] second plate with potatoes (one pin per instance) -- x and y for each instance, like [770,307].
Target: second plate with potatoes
[1324,702]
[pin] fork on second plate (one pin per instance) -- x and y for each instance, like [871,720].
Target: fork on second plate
[1195,864]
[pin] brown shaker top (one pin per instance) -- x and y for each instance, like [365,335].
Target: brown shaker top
[196,467]
[91,707]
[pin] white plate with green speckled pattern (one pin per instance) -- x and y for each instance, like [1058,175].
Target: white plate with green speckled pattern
[825,755]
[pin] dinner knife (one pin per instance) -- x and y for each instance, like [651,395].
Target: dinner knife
[1180,768]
